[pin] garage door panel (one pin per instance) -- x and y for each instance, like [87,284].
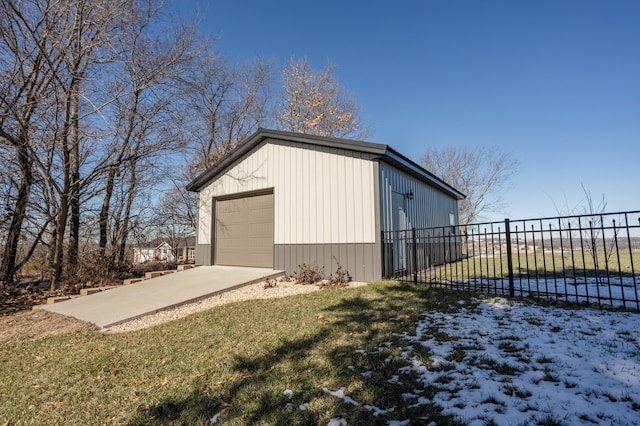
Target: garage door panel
[244,231]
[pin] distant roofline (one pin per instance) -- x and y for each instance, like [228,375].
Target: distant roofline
[385,152]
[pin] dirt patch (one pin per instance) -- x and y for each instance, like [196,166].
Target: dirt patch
[34,325]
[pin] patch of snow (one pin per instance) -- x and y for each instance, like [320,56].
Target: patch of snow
[337,422]
[340,394]
[377,411]
[288,393]
[521,364]
[304,407]
[395,379]
[214,419]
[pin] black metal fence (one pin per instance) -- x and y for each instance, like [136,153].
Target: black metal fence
[590,259]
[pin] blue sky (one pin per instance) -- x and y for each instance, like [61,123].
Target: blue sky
[556,83]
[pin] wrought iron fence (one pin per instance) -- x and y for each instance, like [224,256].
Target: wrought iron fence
[590,259]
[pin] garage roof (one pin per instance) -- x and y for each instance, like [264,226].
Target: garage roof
[385,153]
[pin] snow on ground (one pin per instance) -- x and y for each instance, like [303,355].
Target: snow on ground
[508,363]
[512,363]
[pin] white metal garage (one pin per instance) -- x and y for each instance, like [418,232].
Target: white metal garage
[328,201]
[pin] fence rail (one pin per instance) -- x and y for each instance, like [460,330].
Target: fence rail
[589,259]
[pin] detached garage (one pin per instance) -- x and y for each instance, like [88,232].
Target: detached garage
[281,199]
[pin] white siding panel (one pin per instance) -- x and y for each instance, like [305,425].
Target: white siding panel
[313,199]
[355,199]
[332,199]
[321,195]
[343,183]
[324,200]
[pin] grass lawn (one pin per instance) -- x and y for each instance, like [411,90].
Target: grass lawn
[382,354]
[235,360]
[540,265]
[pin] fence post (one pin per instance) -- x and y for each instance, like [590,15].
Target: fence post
[509,257]
[415,256]
[382,256]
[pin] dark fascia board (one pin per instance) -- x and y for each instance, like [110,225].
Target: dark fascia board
[384,151]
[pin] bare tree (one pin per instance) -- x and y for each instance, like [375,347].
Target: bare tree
[313,102]
[225,104]
[144,125]
[32,55]
[171,221]
[92,25]
[478,172]
[590,223]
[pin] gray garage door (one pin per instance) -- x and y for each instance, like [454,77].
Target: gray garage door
[244,231]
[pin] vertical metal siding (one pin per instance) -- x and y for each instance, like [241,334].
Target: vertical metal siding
[361,261]
[429,206]
[316,197]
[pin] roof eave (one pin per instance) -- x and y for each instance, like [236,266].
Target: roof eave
[402,162]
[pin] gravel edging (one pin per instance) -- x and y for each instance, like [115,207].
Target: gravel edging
[249,292]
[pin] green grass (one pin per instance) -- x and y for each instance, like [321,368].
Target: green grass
[236,359]
[540,265]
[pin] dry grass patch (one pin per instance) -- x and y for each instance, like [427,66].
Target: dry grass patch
[38,324]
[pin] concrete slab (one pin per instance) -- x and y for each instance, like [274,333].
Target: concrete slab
[125,303]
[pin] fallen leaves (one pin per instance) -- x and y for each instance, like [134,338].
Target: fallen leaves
[322,319]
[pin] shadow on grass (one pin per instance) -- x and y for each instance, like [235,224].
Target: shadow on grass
[356,347]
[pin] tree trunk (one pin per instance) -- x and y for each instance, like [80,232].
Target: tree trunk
[8,267]
[63,214]
[69,129]
[124,234]
[103,218]
[74,190]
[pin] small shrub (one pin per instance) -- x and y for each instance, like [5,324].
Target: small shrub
[308,274]
[270,283]
[341,277]
[287,278]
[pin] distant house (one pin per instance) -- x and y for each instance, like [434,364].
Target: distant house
[282,199]
[161,251]
[186,252]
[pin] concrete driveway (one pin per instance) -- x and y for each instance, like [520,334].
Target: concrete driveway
[125,303]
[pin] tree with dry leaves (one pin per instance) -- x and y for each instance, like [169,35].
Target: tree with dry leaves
[481,173]
[313,102]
